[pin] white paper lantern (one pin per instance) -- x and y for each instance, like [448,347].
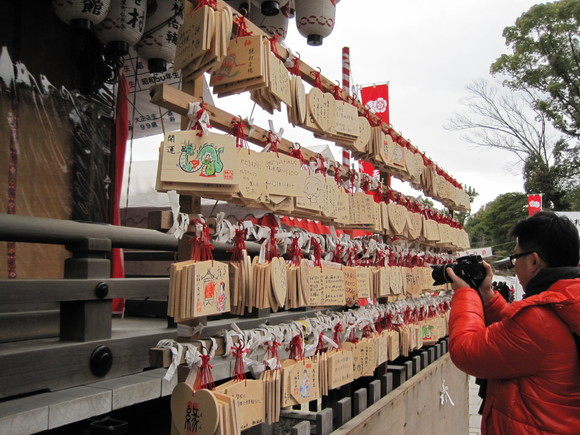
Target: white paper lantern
[81,13]
[123,26]
[269,8]
[157,46]
[315,19]
[272,25]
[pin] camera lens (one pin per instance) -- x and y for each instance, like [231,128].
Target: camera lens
[439,273]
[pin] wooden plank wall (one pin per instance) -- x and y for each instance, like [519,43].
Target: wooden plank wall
[415,407]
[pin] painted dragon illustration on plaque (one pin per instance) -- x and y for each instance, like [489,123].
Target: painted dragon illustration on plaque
[207,160]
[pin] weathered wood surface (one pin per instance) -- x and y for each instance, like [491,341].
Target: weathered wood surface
[415,408]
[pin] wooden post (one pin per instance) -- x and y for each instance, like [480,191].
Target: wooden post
[360,401]
[374,392]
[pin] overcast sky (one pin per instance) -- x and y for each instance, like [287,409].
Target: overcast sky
[428,51]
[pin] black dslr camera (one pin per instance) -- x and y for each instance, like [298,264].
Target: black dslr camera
[469,268]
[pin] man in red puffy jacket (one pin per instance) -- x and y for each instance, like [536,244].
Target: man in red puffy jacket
[528,350]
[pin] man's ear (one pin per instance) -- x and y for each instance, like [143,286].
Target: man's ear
[537,260]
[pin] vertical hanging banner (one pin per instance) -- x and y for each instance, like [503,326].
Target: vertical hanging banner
[534,204]
[376,99]
[146,116]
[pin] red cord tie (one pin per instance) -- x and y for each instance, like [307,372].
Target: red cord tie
[273,140]
[272,246]
[336,336]
[197,126]
[320,347]
[297,154]
[296,351]
[317,80]
[239,133]
[204,377]
[239,369]
[239,244]
[379,324]
[336,92]
[352,259]
[317,251]
[294,252]
[201,247]
[241,27]
[274,45]
[295,69]
[378,195]
[321,167]
[272,352]
[352,338]
[211,3]
[337,254]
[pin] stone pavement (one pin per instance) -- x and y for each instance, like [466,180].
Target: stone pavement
[474,403]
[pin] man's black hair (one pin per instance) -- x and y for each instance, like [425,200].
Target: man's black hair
[553,237]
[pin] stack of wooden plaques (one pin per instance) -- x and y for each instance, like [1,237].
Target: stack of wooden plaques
[300,382]
[297,295]
[203,412]
[272,380]
[240,282]
[250,396]
[198,289]
[244,68]
[277,89]
[297,110]
[361,145]
[202,40]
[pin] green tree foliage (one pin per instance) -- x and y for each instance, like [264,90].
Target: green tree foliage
[558,181]
[545,44]
[510,120]
[491,224]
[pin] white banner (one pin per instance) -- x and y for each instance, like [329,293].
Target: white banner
[574,216]
[144,118]
[484,252]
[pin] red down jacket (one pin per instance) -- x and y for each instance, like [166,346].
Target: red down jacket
[528,354]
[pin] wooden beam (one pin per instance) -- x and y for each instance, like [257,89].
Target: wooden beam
[178,101]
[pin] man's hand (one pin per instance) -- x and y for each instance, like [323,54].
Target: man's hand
[484,288]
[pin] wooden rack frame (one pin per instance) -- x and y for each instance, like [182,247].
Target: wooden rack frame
[178,101]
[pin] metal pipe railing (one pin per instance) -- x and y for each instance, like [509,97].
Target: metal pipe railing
[17,228]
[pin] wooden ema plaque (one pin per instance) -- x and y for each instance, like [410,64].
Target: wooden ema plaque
[250,398]
[252,179]
[321,110]
[244,64]
[194,412]
[198,289]
[340,368]
[350,285]
[364,355]
[300,382]
[326,286]
[189,159]
[283,174]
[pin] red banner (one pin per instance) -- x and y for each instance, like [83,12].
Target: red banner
[369,169]
[376,99]
[534,204]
